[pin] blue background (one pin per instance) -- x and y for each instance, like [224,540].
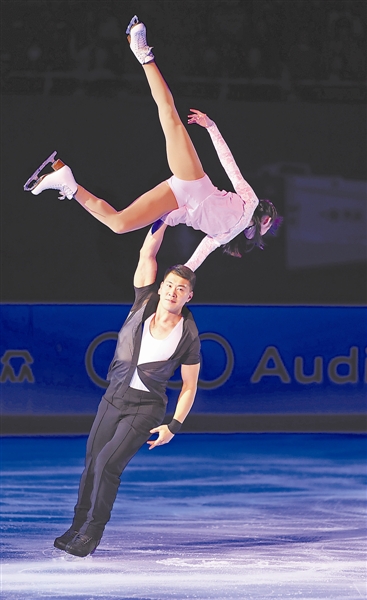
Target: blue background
[58,336]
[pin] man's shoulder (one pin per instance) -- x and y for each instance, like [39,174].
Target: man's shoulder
[144,294]
[190,322]
[145,291]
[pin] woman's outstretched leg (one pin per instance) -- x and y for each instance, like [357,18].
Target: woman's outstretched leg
[181,154]
[144,211]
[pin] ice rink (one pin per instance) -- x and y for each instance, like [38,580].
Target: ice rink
[209,516]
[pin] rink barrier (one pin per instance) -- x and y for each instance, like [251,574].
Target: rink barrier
[13,425]
[262,366]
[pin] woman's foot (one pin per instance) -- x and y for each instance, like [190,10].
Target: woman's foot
[136,35]
[61,179]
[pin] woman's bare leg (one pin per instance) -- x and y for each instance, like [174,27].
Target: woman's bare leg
[144,211]
[181,154]
[182,159]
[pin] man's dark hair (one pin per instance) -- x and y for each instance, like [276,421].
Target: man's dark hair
[183,272]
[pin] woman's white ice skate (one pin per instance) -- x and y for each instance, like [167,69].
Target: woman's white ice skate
[136,35]
[62,179]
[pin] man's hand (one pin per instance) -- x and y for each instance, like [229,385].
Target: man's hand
[164,436]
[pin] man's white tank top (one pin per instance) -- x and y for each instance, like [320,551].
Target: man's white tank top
[153,350]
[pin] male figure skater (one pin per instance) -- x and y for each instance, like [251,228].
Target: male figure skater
[158,335]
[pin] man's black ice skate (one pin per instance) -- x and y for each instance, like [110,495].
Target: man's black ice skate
[82,545]
[64,539]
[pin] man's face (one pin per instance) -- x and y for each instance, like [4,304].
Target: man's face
[174,292]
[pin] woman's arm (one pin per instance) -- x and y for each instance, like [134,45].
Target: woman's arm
[206,246]
[225,156]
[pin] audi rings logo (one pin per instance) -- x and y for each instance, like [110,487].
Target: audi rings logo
[173,385]
[218,381]
[89,355]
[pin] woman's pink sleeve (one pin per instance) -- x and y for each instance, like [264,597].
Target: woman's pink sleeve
[225,156]
[206,246]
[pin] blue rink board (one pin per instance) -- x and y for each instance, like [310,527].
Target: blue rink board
[254,359]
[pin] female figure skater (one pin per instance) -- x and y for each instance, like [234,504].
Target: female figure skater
[231,220]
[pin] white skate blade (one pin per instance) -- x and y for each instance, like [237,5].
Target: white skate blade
[31,183]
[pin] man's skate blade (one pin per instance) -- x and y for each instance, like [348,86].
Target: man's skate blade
[31,183]
[72,558]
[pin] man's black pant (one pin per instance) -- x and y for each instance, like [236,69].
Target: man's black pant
[117,434]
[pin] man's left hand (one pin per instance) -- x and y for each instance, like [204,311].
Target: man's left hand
[164,436]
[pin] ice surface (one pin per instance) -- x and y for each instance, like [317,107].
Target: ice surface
[246,516]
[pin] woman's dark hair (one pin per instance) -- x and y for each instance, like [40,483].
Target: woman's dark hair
[184,272]
[242,244]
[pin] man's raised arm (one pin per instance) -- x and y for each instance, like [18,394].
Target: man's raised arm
[146,271]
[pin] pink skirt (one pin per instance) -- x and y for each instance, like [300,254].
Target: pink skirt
[202,206]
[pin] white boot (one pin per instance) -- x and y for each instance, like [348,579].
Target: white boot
[62,179]
[136,35]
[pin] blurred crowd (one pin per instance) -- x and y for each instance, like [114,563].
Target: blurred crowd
[252,40]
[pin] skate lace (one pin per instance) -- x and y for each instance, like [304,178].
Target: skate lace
[64,191]
[82,538]
[139,44]
[141,41]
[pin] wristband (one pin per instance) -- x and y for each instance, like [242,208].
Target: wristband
[174,426]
